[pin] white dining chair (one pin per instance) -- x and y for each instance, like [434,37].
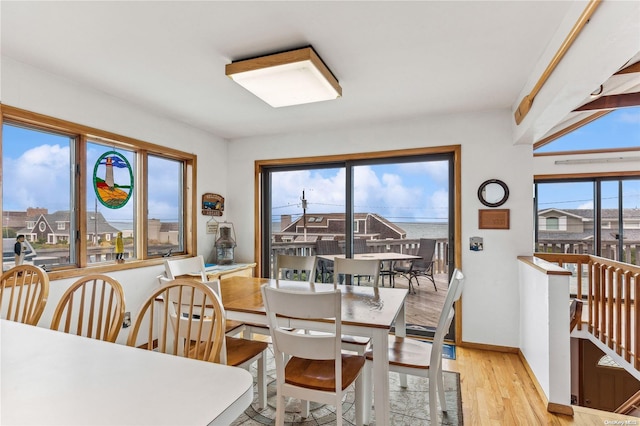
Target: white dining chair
[417,358]
[356,268]
[311,367]
[289,267]
[193,268]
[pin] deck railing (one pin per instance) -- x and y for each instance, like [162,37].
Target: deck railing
[609,250]
[609,289]
[406,246]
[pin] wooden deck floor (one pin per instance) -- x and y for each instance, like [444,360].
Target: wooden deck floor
[424,307]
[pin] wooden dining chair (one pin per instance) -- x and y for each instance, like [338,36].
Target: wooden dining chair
[193,268]
[191,322]
[290,267]
[92,307]
[311,367]
[418,358]
[356,268]
[23,294]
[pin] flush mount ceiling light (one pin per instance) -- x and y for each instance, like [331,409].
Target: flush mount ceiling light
[288,78]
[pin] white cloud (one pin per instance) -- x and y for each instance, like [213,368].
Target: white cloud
[436,170]
[630,116]
[38,178]
[396,196]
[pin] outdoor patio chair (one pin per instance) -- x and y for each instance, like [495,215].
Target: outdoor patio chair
[326,266]
[419,267]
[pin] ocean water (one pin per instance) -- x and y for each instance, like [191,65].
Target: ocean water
[424,229]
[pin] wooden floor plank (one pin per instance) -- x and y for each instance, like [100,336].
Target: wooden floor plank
[497,390]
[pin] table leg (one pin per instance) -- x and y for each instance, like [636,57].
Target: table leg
[401,331]
[380,343]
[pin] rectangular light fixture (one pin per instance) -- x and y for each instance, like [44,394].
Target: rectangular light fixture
[288,78]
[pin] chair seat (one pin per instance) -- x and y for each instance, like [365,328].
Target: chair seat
[406,352]
[320,374]
[233,325]
[356,340]
[402,269]
[240,351]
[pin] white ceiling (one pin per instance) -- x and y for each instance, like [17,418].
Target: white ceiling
[394,60]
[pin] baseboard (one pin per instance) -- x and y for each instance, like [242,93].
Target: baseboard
[485,347]
[552,407]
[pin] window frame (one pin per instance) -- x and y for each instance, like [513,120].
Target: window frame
[596,179]
[83,135]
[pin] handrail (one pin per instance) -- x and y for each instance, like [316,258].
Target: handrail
[527,101]
[630,405]
[610,290]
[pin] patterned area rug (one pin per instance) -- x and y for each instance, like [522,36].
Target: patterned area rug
[409,406]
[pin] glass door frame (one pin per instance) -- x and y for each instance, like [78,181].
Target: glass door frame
[263,229]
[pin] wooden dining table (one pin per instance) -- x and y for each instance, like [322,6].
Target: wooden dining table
[54,378]
[366,311]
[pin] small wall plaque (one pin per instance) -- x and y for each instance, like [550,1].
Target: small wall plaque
[493,219]
[212,204]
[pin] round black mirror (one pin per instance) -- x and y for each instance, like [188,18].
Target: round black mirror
[493,193]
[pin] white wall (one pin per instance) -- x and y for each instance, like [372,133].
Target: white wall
[31,89]
[491,299]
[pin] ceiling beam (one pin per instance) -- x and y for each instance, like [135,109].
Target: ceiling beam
[633,68]
[622,100]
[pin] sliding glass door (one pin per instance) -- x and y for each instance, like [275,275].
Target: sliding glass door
[380,205]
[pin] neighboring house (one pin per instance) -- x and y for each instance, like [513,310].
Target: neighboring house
[55,228]
[329,226]
[577,224]
[163,232]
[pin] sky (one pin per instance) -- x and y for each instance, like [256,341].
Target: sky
[402,192]
[619,129]
[36,168]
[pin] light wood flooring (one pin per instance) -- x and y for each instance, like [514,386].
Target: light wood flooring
[497,390]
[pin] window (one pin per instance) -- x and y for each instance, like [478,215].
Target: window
[164,220]
[595,216]
[51,178]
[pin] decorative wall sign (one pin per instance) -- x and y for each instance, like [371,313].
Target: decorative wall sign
[493,219]
[113,180]
[476,244]
[212,226]
[212,204]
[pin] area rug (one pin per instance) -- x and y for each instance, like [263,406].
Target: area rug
[409,406]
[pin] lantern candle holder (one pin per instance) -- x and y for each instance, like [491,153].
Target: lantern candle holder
[225,244]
